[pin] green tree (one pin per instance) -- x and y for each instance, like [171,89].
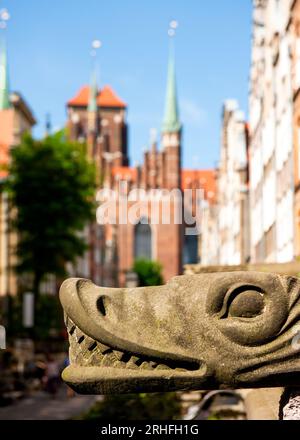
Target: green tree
[149,272]
[51,184]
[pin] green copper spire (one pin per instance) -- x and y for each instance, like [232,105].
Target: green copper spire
[171,122]
[4,83]
[92,107]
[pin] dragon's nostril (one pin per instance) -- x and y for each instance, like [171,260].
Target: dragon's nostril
[101,305]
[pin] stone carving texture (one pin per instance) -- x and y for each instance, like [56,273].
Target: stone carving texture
[209,331]
[290,405]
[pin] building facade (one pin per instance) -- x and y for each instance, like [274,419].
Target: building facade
[210,240]
[232,193]
[294,28]
[16,118]
[269,176]
[99,119]
[225,219]
[271,134]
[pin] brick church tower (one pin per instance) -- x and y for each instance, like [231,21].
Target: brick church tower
[161,170]
[98,118]
[171,131]
[170,236]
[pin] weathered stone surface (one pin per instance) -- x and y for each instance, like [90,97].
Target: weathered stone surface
[292,268]
[208,331]
[262,404]
[290,405]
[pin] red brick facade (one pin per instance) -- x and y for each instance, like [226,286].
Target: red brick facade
[106,135]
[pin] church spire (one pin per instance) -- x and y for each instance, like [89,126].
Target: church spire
[92,107]
[171,122]
[4,81]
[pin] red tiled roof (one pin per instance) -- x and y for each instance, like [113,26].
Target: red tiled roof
[200,179]
[195,179]
[125,173]
[106,98]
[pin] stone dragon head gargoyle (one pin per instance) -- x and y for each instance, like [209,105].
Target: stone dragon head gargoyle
[208,331]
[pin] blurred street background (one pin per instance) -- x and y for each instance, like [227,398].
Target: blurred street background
[201,98]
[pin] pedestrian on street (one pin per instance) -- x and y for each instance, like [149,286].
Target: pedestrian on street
[52,374]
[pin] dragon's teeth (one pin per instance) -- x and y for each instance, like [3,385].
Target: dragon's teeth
[72,329]
[118,354]
[108,360]
[145,366]
[162,367]
[96,357]
[103,355]
[92,345]
[119,364]
[69,323]
[78,334]
[132,363]
[153,364]
[103,348]
[88,341]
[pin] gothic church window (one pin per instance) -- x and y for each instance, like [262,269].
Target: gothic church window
[142,241]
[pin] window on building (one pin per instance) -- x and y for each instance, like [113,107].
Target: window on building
[142,241]
[190,250]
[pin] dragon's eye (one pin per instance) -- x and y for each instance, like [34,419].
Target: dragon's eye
[248,308]
[247,303]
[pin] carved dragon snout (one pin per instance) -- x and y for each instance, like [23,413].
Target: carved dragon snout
[209,331]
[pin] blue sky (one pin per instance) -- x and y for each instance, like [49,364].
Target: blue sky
[49,45]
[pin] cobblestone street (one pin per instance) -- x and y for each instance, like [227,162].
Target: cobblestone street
[41,406]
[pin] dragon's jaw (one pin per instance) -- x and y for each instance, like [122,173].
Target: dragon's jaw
[99,369]
[235,330]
